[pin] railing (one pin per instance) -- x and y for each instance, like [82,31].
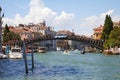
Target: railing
[95,43]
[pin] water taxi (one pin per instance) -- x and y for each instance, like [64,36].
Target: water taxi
[66,52]
[15,53]
[42,49]
[83,52]
[3,56]
[58,48]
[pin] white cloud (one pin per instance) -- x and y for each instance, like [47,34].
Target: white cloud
[38,12]
[64,19]
[110,12]
[94,21]
[65,16]
[35,3]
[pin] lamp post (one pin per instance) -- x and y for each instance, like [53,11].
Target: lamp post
[1,16]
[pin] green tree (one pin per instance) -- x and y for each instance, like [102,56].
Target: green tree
[108,26]
[114,38]
[6,30]
[8,35]
[11,36]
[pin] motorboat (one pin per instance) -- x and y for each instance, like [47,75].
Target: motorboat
[66,52]
[76,50]
[83,52]
[3,56]
[58,48]
[42,49]
[15,53]
[28,49]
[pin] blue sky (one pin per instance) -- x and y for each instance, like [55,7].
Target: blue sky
[80,15]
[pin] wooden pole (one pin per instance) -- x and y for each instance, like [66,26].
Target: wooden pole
[25,58]
[1,31]
[32,56]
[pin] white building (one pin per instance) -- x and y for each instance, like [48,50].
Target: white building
[44,30]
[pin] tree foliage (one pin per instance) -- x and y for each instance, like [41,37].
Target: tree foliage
[8,35]
[6,30]
[108,26]
[114,38]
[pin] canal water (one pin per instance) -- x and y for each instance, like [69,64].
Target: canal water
[58,66]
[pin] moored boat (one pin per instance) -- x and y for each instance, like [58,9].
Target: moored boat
[83,52]
[15,53]
[66,52]
[42,49]
[3,56]
[28,51]
[108,52]
[58,48]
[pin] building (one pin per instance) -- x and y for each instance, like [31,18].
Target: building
[97,32]
[68,44]
[42,29]
[24,32]
[116,24]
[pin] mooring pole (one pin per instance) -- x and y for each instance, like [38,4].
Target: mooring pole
[25,58]
[1,16]
[32,56]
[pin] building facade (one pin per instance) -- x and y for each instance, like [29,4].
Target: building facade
[116,24]
[97,32]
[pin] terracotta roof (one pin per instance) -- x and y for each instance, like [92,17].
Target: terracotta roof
[41,27]
[64,32]
[19,30]
[98,28]
[116,23]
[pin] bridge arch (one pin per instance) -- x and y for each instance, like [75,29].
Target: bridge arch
[95,43]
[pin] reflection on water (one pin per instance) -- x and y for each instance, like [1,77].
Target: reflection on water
[58,66]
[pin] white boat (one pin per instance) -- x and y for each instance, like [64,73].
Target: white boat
[15,53]
[58,48]
[83,52]
[42,49]
[76,49]
[66,52]
[3,56]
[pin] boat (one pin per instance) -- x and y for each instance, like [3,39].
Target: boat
[58,48]
[15,53]
[3,56]
[108,52]
[28,49]
[42,49]
[66,52]
[76,50]
[83,52]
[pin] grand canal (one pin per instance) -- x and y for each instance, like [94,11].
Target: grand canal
[58,66]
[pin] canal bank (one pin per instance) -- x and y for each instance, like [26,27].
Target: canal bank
[55,65]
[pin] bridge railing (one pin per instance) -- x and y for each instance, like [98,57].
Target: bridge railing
[86,40]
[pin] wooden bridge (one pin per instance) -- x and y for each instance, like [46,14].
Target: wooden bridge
[89,41]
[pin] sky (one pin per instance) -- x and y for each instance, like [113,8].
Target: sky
[82,16]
